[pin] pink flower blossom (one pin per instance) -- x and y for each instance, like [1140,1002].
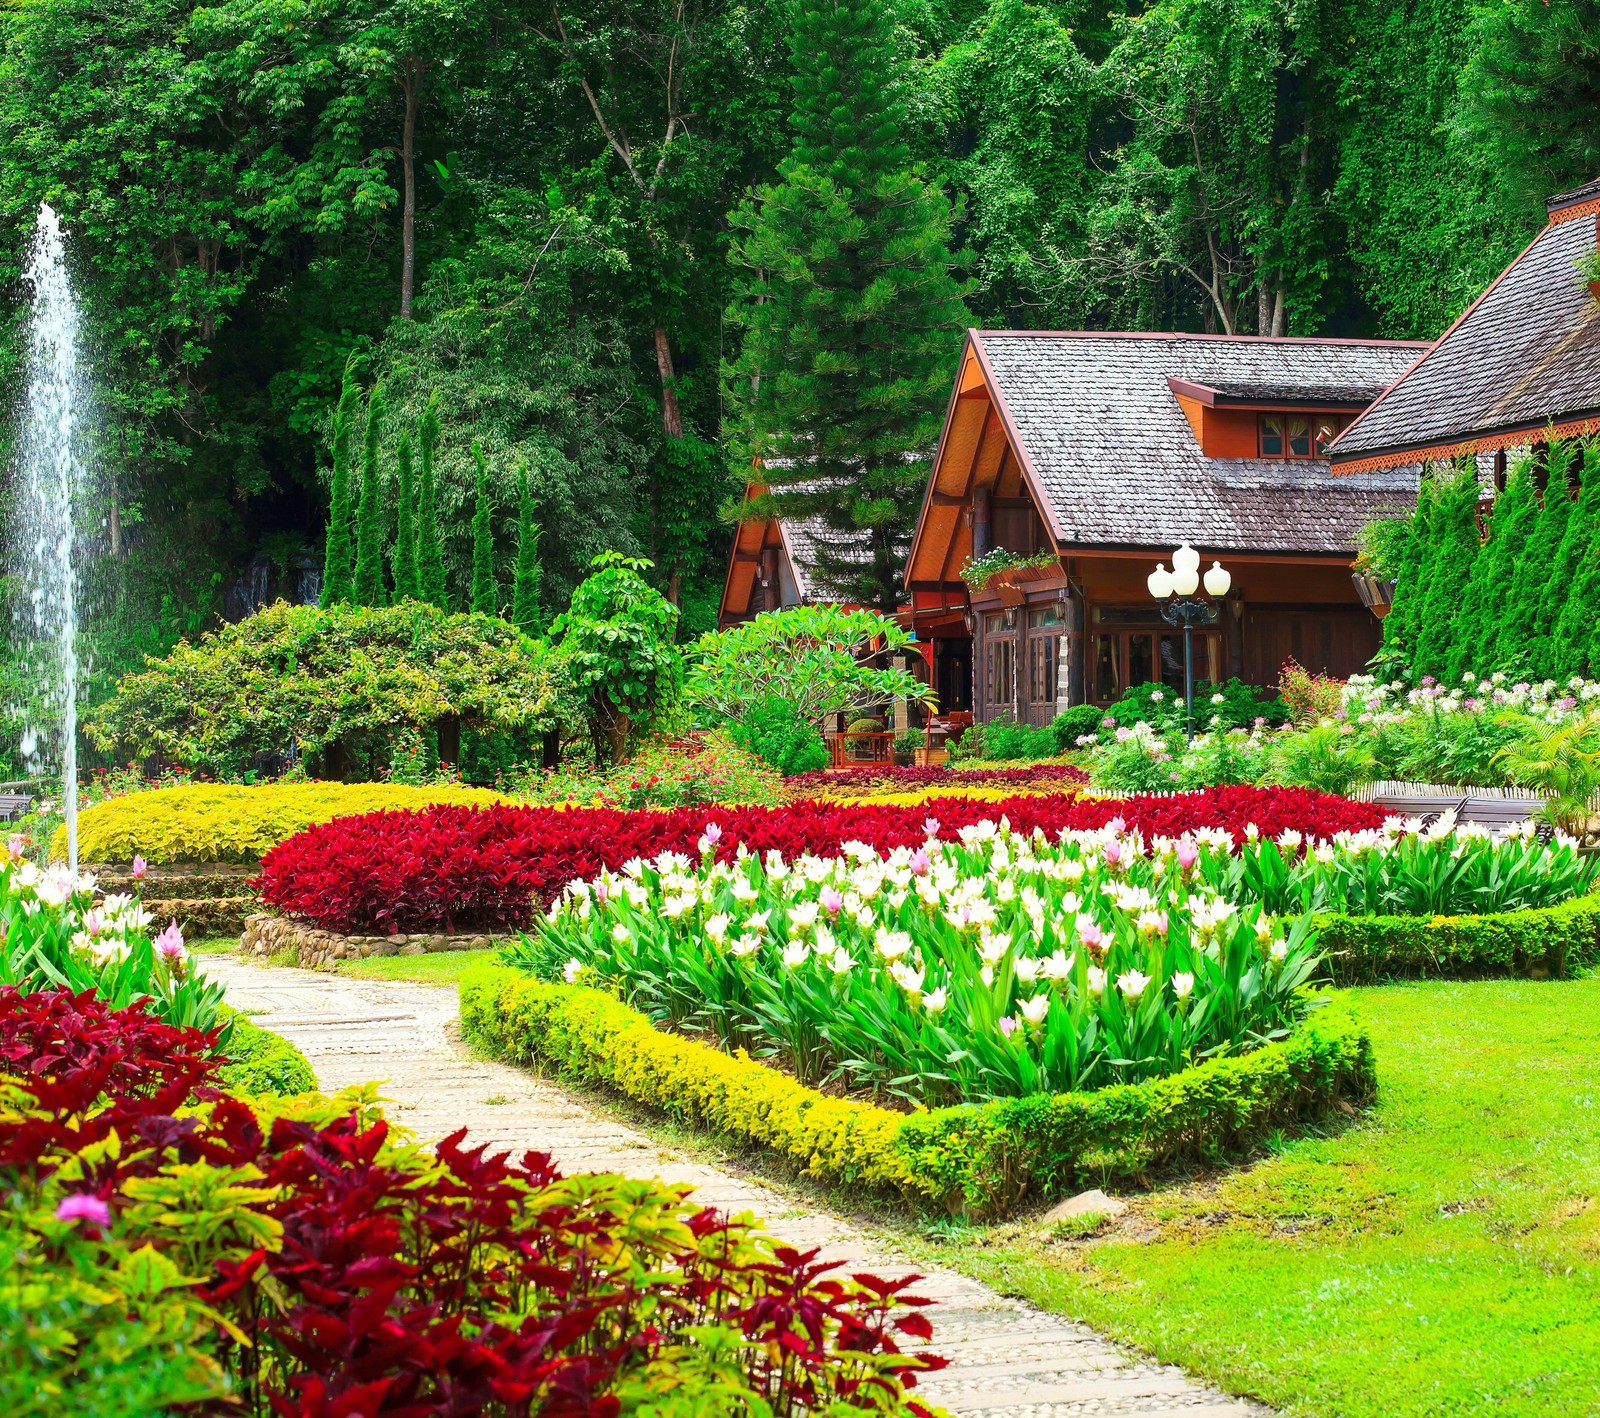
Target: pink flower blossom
[1008,1026]
[832,901]
[1089,932]
[713,833]
[931,826]
[15,843]
[81,1206]
[1113,854]
[1188,853]
[140,866]
[169,944]
[919,862]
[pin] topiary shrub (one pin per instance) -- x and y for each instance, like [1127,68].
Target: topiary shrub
[260,1062]
[1080,721]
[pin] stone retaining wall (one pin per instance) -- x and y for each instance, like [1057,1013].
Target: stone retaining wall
[266,935]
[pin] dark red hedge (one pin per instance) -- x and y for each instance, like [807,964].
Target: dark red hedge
[461,868]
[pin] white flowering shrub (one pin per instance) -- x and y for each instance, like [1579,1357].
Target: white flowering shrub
[1002,965]
[56,932]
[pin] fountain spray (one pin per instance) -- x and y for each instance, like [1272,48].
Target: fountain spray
[50,484]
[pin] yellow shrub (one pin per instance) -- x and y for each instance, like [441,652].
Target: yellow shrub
[992,793]
[223,822]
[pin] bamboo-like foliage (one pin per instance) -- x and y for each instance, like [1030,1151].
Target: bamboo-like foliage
[368,589]
[405,538]
[338,566]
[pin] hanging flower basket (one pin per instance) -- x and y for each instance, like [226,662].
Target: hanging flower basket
[1376,592]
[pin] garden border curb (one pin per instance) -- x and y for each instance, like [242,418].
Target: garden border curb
[266,935]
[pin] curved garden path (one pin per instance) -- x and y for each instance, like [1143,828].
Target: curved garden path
[1008,1360]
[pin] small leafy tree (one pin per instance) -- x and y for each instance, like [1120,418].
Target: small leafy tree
[338,565]
[525,612]
[337,683]
[778,734]
[618,653]
[405,540]
[431,585]
[822,659]
[485,594]
[370,538]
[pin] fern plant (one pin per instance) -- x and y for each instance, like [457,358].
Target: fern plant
[1562,761]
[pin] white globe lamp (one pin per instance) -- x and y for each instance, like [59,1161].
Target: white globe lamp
[1218,581]
[1186,558]
[1160,582]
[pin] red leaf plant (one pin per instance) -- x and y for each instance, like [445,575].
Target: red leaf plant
[452,868]
[451,1283]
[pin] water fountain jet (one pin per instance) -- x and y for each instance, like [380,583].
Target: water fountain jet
[50,487]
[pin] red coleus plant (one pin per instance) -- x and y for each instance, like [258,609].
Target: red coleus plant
[460,868]
[453,1283]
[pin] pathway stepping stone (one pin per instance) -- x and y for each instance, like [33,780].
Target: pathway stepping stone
[1008,1360]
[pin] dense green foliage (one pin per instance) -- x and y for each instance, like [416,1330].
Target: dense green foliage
[522,217]
[336,682]
[777,732]
[1523,603]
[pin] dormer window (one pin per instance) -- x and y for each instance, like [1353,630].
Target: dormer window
[1299,435]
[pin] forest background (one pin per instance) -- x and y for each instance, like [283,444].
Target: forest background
[527,210]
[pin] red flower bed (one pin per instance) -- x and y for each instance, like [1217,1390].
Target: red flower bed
[888,778]
[484,1286]
[460,868]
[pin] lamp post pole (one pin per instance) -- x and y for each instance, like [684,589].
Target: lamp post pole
[1176,590]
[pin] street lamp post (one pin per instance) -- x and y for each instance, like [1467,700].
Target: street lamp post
[1180,605]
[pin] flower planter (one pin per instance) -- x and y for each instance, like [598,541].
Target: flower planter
[1376,592]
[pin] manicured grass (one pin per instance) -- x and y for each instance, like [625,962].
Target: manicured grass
[1438,1257]
[213,945]
[440,969]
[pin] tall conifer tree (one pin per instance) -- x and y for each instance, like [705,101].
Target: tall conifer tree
[1452,550]
[405,537]
[1516,511]
[485,594]
[851,314]
[431,583]
[525,612]
[1578,564]
[1515,640]
[338,563]
[370,538]
[1399,626]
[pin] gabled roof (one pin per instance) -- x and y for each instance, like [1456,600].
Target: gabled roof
[800,539]
[1524,357]
[1110,458]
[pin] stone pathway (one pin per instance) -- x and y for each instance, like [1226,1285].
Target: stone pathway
[1008,1360]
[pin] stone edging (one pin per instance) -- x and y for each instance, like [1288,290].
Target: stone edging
[267,935]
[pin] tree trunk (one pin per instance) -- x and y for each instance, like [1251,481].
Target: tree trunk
[671,418]
[411,83]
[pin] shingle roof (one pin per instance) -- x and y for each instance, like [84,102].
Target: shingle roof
[1275,391]
[1526,354]
[1115,456]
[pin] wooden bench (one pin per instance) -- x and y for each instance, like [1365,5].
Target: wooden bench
[1495,813]
[14,806]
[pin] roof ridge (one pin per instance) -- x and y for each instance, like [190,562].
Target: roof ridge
[1199,335]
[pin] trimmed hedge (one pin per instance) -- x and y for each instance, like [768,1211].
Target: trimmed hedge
[1545,943]
[259,1061]
[981,1159]
[232,822]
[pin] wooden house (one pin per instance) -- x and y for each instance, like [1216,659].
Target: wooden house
[1094,456]
[1520,366]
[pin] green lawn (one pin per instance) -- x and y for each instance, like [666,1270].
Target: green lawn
[1440,1256]
[440,969]
[214,945]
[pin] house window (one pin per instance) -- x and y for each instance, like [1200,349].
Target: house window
[1124,658]
[1300,436]
[1044,645]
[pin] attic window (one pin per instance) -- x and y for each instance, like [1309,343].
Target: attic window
[1300,435]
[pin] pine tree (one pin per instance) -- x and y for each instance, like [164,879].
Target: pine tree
[485,594]
[1452,549]
[1516,510]
[1578,566]
[405,538]
[431,583]
[1399,626]
[850,311]
[370,538]
[1515,643]
[338,563]
[525,613]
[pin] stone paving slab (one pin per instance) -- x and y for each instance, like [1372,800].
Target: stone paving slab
[1008,1359]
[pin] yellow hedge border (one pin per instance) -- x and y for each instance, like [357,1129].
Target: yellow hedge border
[234,822]
[981,1159]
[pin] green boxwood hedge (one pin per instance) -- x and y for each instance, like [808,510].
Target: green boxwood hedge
[260,1061]
[1542,944]
[978,1159]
